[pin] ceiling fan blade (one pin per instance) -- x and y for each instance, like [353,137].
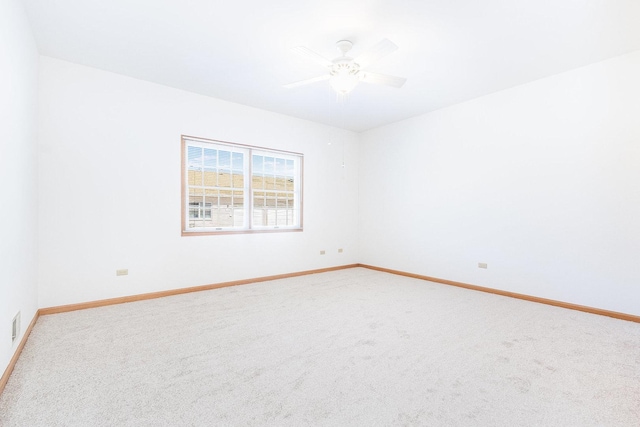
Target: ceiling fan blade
[313,56]
[307,81]
[382,79]
[382,49]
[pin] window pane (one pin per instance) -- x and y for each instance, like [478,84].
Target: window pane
[258,199]
[281,166]
[212,221]
[238,199]
[271,217]
[224,159]
[194,157]
[270,200]
[237,161]
[196,223]
[210,178]
[238,180]
[257,165]
[224,178]
[270,182]
[193,210]
[257,181]
[211,198]
[195,194]
[210,158]
[269,165]
[238,217]
[282,200]
[195,203]
[225,198]
[259,218]
[281,217]
[225,217]
[210,205]
[194,177]
[280,183]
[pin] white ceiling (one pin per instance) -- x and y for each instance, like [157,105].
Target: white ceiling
[449,50]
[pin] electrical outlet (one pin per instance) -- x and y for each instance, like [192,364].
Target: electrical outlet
[340,250]
[15,327]
[321,252]
[122,272]
[482,265]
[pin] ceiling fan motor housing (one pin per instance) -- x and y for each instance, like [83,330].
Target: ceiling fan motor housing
[344,46]
[343,66]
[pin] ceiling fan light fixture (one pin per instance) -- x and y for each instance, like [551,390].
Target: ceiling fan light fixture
[344,77]
[344,82]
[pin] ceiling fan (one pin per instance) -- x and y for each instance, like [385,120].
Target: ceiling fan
[344,72]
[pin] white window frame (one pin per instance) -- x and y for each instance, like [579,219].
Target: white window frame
[248,152]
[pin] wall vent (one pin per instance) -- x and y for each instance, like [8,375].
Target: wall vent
[15,328]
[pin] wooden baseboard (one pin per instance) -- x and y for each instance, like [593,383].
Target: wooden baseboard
[16,355]
[592,310]
[152,295]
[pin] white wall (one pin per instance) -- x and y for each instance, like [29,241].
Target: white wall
[541,181]
[110,188]
[18,169]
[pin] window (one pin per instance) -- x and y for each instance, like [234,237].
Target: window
[238,188]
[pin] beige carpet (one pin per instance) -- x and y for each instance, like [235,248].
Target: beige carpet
[347,348]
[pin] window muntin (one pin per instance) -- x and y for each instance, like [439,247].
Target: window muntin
[238,188]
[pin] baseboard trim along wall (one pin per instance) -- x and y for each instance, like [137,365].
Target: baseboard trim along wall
[592,310]
[16,355]
[152,295]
